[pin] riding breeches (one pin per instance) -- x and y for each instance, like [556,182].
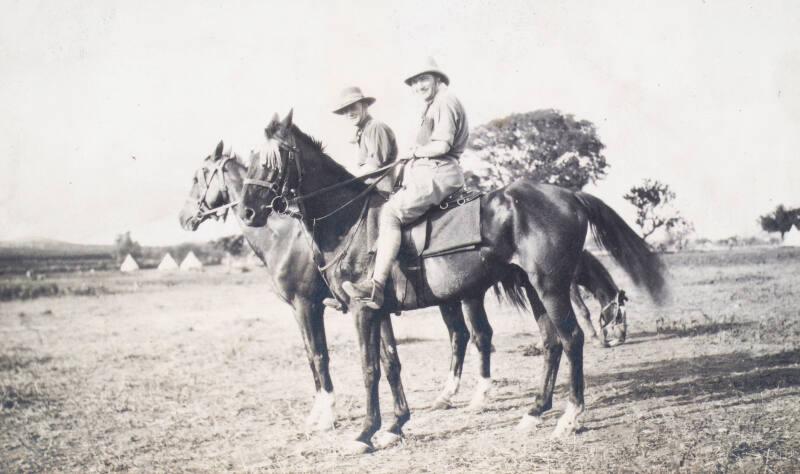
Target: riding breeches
[426,183]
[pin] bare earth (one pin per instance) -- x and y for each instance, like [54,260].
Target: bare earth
[206,372]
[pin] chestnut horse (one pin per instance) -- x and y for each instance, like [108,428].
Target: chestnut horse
[529,227]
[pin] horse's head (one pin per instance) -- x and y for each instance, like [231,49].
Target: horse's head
[209,190]
[614,320]
[273,175]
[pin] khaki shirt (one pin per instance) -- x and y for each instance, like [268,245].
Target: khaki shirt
[377,147]
[445,120]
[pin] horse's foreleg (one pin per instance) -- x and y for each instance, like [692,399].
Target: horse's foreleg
[368,327]
[391,365]
[553,349]
[459,337]
[482,337]
[583,315]
[309,318]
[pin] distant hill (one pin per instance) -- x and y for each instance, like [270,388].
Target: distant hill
[33,248]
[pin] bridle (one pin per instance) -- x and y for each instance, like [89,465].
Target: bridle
[204,210]
[619,315]
[287,196]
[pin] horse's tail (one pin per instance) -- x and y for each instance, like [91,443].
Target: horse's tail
[629,250]
[515,287]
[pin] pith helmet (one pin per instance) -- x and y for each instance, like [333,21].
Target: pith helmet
[350,96]
[429,67]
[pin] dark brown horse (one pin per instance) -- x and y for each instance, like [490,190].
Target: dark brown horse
[539,229]
[592,275]
[216,186]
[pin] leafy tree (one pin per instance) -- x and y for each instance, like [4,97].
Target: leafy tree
[547,146]
[678,232]
[780,220]
[232,244]
[652,201]
[124,245]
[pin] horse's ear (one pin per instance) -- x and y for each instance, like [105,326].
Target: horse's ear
[287,121]
[622,297]
[218,151]
[272,126]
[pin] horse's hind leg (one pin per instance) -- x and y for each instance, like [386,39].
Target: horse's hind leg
[459,337]
[391,365]
[583,315]
[559,312]
[482,337]
[552,348]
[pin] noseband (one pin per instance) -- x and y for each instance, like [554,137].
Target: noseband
[616,318]
[204,210]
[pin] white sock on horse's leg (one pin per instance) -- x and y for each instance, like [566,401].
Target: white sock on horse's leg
[481,396]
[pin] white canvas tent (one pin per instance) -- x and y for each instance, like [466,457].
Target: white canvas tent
[129,265]
[167,263]
[191,262]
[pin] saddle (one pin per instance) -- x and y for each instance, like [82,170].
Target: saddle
[453,226]
[450,230]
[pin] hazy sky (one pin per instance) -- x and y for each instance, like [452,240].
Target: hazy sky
[701,95]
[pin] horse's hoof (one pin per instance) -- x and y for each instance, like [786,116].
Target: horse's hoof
[616,342]
[387,439]
[313,418]
[596,342]
[528,422]
[442,403]
[325,424]
[477,405]
[563,430]
[356,448]
[568,423]
[481,395]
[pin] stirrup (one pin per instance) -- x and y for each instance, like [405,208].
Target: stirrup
[333,303]
[368,293]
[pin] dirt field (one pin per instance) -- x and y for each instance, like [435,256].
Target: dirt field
[206,372]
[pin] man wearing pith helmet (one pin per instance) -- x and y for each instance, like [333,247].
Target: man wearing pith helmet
[431,174]
[375,140]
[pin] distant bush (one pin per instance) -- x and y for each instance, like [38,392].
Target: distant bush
[27,290]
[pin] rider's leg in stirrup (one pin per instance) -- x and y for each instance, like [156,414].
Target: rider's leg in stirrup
[370,292]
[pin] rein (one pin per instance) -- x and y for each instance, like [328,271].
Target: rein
[280,203]
[201,201]
[603,321]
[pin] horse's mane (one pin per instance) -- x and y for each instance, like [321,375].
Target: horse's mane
[593,271]
[317,145]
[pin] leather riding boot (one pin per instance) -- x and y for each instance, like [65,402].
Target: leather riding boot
[389,237]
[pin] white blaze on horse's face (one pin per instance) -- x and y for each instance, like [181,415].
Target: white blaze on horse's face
[424,86]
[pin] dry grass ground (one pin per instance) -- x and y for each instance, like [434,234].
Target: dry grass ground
[206,372]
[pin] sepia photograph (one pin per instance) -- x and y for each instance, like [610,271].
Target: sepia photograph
[400,237]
